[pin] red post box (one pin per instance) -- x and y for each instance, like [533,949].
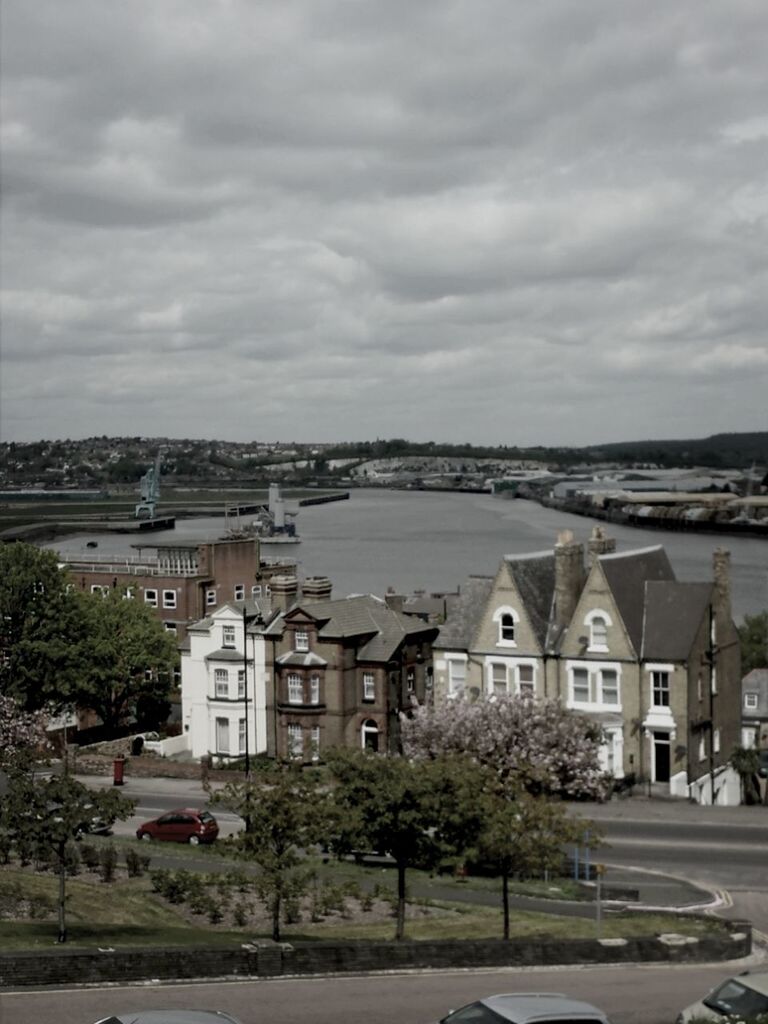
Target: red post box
[118,770]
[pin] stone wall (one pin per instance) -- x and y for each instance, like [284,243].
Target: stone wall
[270,960]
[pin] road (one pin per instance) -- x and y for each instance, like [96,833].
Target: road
[630,995]
[723,848]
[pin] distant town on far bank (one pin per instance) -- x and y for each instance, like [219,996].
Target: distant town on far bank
[718,483]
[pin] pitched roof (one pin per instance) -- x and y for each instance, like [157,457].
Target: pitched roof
[673,616]
[627,574]
[365,617]
[534,576]
[460,626]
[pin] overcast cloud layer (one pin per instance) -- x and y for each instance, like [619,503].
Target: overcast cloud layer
[495,221]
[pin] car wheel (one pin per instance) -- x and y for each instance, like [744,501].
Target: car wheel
[194,840]
[146,837]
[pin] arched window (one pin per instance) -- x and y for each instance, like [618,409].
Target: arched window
[506,620]
[598,622]
[369,735]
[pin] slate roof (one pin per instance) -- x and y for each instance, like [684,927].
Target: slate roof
[534,576]
[364,617]
[459,628]
[302,659]
[673,615]
[225,654]
[627,574]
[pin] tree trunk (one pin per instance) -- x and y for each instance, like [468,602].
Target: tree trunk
[62,895]
[505,901]
[276,907]
[400,930]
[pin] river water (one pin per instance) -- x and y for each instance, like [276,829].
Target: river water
[413,540]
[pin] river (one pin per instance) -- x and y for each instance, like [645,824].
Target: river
[413,540]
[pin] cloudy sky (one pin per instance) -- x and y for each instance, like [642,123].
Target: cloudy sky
[495,221]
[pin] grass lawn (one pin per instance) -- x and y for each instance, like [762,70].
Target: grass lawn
[127,912]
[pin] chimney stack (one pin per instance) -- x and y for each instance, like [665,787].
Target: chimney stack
[721,565]
[283,590]
[316,588]
[600,544]
[569,577]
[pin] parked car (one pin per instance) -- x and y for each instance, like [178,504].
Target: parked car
[184,825]
[527,1008]
[170,1017]
[746,995]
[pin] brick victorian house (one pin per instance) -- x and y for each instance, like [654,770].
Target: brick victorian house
[654,661]
[319,673]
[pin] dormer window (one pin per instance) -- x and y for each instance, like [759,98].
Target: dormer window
[597,622]
[301,638]
[227,636]
[506,620]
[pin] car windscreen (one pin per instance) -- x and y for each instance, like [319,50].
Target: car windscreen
[735,998]
[206,816]
[475,1013]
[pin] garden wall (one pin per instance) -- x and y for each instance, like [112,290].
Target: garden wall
[269,960]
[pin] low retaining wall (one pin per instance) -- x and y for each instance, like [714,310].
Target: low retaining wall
[274,960]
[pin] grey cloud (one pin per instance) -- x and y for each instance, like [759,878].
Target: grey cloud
[373,215]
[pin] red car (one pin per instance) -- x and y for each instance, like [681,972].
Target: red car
[184,825]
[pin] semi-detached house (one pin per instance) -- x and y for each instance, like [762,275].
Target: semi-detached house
[655,662]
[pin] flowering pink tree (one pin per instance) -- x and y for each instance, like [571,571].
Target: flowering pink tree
[21,732]
[536,746]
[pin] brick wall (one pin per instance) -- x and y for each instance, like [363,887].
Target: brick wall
[266,959]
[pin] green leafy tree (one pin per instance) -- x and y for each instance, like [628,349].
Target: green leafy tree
[746,761]
[41,628]
[753,634]
[41,818]
[285,814]
[130,657]
[22,734]
[522,834]
[414,813]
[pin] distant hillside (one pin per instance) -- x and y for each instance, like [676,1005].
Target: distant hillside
[732,450]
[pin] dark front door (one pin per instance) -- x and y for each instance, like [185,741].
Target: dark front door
[661,747]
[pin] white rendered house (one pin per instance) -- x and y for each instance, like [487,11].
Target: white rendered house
[223,682]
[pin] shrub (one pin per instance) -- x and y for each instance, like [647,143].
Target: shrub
[108,863]
[135,863]
[72,859]
[90,855]
[241,914]
[215,913]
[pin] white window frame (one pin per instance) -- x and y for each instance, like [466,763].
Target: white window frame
[295,740]
[594,670]
[241,684]
[295,688]
[716,741]
[221,726]
[410,680]
[314,689]
[169,598]
[256,590]
[241,727]
[210,597]
[301,640]
[582,670]
[702,748]
[369,728]
[598,635]
[97,588]
[314,734]
[528,682]
[496,686]
[498,617]
[150,598]
[239,592]
[170,627]
[228,637]
[654,670]
[751,701]
[221,683]
[457,680]
[604,688]
[369,687]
